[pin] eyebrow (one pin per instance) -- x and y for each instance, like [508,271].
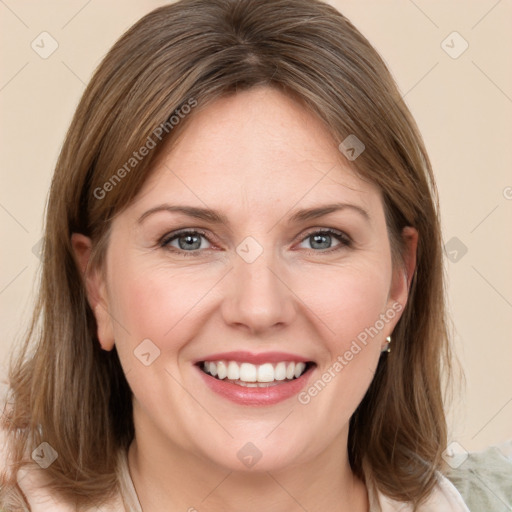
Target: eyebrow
[205,214]
[315,213]
[215,217]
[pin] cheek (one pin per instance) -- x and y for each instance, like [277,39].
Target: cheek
[153,302]
[350,299]
[348,302]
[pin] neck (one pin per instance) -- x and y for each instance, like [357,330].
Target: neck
[177,479]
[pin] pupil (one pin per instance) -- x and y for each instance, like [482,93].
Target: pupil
[189,242]
[321,241]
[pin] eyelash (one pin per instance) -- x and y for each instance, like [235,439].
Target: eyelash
[345,241]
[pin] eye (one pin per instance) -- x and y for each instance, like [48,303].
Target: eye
[188,241]
[324,239]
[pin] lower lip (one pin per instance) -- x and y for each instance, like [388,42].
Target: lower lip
[256,396]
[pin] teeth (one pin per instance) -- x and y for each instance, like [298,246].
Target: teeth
[248,372]
[280,371]
[299,368]
[222,371]
[265,373]
[256,384]
[250,375]
[233,371]
[212,368]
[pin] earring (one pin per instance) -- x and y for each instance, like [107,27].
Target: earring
[388,348]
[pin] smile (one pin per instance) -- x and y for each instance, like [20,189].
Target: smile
[255,379]
[251,375]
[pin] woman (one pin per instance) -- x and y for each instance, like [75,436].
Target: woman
[241,305]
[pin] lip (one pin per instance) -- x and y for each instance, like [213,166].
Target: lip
[249,357]
[257,396]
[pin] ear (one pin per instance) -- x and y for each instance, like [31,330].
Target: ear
[96,289]
[402,274]
[410,239]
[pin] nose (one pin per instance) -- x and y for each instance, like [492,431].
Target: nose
[258,299]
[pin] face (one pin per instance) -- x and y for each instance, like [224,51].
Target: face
[255,248]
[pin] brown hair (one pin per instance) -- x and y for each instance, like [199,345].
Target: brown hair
[70,393]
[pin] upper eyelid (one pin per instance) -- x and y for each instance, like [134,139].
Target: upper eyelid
[167,237]
[342,237]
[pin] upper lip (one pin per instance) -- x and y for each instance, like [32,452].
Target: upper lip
[249,357]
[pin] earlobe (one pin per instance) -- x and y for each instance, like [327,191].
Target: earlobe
[105,330]
[95,289]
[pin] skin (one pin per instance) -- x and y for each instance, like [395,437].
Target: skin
[257,157]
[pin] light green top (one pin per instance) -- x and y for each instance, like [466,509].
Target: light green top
[484,479]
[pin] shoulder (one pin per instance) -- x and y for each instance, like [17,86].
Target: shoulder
[34,485]
[30,484]
[484,478]
[444,497]
[26,485]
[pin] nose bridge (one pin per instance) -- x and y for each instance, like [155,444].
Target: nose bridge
[259,299]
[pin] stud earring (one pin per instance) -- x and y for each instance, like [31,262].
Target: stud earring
[388,347]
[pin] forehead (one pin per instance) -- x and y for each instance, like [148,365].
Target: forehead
[256,148]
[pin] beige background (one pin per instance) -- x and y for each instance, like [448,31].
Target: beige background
[463,107]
